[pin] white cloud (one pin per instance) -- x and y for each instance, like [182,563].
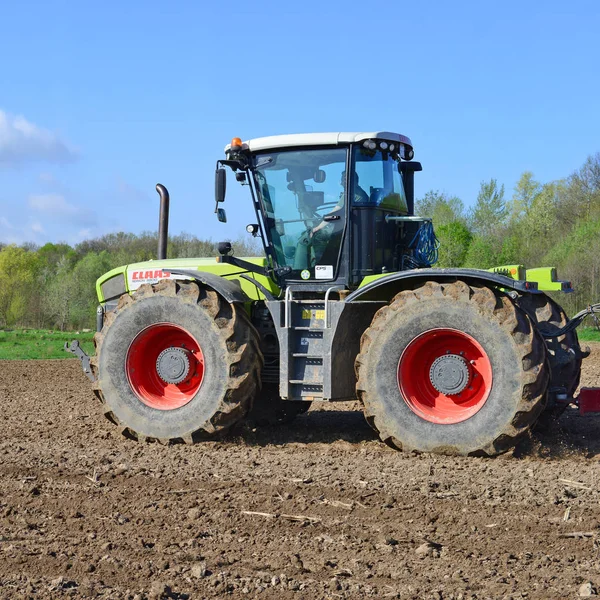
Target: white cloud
[37,228]
[23,142]
[55,207]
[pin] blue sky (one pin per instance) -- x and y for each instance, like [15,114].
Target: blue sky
[99,102]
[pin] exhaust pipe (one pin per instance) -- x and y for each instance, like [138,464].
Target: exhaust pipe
[163,221]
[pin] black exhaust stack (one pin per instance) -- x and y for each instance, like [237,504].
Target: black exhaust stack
[163,221]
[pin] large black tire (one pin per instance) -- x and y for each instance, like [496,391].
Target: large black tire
[564,353]
[516,359]
[270,409]
[231,362]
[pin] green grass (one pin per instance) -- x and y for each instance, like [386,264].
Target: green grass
[588,334]
[20,344]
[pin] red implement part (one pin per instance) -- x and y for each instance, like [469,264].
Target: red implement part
[142,371]
[589,400]
[418,390]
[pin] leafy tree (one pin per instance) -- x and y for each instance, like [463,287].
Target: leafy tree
[580,196]
[51,255]
[455,239]
[58,296]
[83,278]
[490,211]
[18,270]
[441,208]
[526,190]
[483,253]
[576,257]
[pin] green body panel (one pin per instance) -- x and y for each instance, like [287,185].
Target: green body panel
[370,278]
[547,281]
[151,271]
[545,277]
[105,278]
[516,272]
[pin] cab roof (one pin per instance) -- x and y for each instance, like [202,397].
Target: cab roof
[320,139]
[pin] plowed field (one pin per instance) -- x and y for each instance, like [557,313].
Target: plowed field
[316,509]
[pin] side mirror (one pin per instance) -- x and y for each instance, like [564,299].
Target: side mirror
[220,185]
[221,215]
[413,166]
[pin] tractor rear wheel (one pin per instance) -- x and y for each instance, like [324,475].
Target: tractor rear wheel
[453,369]
[176,362]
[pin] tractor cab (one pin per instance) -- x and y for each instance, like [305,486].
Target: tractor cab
[331,208]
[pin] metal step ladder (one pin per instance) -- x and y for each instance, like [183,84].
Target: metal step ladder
[306,322]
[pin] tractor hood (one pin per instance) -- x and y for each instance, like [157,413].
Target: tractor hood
[128,278]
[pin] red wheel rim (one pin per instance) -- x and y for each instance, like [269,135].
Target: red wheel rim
[142,372]
[415,382]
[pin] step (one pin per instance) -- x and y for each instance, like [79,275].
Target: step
[302,328]
[306,383]
[308,343]
[306,355]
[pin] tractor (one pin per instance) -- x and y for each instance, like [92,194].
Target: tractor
[344,304]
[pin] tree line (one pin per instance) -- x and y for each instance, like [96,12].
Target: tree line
[54,286]
[541,224]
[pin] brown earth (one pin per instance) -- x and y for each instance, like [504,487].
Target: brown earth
[317,509]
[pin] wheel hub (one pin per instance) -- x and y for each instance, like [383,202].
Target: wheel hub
[449,374]
[173,365]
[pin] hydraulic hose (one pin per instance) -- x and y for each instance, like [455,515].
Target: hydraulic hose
[576,321]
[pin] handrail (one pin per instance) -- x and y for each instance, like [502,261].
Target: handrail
[329,290]
[286,310]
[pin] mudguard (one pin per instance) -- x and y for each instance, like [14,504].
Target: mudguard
[386,286]
[230,290]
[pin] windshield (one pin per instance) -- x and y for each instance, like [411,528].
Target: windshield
[302,193]
[378,179]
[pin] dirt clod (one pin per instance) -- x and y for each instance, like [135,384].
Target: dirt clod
[587,590]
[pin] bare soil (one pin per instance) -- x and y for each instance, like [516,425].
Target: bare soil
[316,509]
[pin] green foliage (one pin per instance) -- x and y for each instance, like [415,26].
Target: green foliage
[55,286]
[21,344]
[483,253]
[490,211]
[577,256]
[441,208]
[455,240]
[526,191]
[18,271]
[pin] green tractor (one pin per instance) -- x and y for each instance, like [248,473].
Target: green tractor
[344,304]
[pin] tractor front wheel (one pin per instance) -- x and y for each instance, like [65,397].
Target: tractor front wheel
[176,362]
[453,369]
